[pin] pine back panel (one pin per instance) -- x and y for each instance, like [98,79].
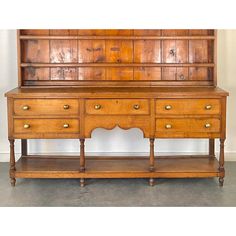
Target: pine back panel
[117,57]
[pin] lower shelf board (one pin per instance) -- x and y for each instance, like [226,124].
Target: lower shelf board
[117,167]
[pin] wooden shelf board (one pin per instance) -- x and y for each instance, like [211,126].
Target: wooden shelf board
[131,64]
[116,167]
[116,83]
[31,37]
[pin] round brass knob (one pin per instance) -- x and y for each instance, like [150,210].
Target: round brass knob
[181,77]
[66,107]
[25,107]
[66,126]
[207,125]
[168,126]
[26,126]
[168,107]
[97,107]
[208,107]
[136,106]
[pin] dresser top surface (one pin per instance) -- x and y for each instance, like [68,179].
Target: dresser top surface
[96,92]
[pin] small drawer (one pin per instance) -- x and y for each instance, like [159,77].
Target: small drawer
[27,126]
[200,125]
[117,106]
[187,106]
[46,107]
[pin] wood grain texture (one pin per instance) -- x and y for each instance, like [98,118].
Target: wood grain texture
[199,73]
[188,106]
[117,107]
[175,73]
[147,51]
[119,74]
[198,51]
[187,125]
[37,126]
[134,49]
[35,51]
[34,32]
[46,107]
[91,51]
[147,73]
[125,167]
[64,73]
[63,51]
[119,51]
[147,32]
[118,92]
[32,73]
[88,73]
[175,51]
[63,32]
[175,32]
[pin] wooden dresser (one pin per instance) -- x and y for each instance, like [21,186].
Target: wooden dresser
[74,81]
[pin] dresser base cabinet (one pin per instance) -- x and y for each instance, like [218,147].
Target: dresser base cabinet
[160,113]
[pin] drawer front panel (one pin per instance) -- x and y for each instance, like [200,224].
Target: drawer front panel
[46,107]
[188,125]
[117,106]
[46,126]
[188,106]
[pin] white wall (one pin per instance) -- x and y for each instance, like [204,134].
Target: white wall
[119,140]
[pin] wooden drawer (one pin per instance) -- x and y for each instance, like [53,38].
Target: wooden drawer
[117,106]
[192,125]
[187,106]
[46,107]
[46,126]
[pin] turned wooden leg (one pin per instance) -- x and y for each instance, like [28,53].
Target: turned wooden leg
[151,182]
[24,148]
[82,156]
[212,148]
[221,163]
[221,181]
[152,157]
[152,160]
[82,182]
[12,162]
[82,161]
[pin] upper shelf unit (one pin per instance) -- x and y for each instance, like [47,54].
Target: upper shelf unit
[117,57]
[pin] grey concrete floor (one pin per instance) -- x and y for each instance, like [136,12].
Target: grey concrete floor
[118,192]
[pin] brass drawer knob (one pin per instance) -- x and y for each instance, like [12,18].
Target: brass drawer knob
[168,107]
[26,126]
[97,107]
[66,126]
[208,107]
[66,107]
[168,126]
[136,106]
[25,108]
[207,125]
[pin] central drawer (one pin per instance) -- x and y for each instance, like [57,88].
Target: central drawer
[46,126]
[117,106]
[46,107]
[187,106]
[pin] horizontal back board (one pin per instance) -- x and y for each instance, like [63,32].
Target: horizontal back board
[117,57]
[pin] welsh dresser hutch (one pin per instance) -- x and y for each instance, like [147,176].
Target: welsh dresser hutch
[74,81]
